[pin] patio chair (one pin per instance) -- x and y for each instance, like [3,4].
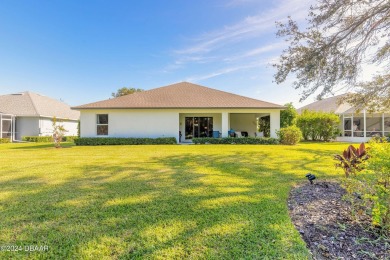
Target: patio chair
[259,134]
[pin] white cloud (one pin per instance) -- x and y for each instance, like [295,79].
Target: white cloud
[224,71]
[250,27]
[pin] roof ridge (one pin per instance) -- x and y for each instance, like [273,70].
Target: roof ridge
[213,89]
[32,102]
[181,95]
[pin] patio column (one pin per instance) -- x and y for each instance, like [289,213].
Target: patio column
[365,126]
[225,124]
[383,124]
[352,126]
[13,129]
[274,122]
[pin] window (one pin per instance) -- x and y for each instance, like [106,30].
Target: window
[102,124]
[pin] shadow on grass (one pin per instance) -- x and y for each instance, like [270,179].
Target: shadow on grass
[39,146]
[186,206]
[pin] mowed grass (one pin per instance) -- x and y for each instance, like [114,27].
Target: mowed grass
[162,202]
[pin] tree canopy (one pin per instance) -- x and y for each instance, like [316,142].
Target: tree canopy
[342,38]
[125,91]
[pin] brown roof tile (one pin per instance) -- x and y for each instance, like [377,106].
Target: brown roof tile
[181,95]
[330,104]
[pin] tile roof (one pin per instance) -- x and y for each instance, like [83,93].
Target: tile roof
[328,105]
[32,104]
[181,95]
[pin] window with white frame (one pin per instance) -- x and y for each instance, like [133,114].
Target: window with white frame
[102,124]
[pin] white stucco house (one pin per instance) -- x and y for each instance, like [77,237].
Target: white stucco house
[31,114]
[356,125]
[182,108]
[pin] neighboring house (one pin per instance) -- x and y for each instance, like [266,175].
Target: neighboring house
[356,125]
[33,114]
[186,108]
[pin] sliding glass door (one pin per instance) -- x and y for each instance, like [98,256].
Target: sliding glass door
[198,127]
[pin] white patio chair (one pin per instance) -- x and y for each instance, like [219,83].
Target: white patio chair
[259,134]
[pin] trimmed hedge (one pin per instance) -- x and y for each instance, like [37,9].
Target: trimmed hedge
[5,140]
[46,139]
[69,138]
[124,141]
[232,140]
[38,139]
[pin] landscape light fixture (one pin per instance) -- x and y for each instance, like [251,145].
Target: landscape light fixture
[310,177]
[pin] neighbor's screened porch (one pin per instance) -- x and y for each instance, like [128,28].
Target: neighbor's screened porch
[365,124]
[7,126]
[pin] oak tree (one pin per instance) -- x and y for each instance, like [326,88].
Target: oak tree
[125,91]
[342,38]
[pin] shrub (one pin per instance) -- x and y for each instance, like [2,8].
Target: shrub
[38,139]
[351,159]
[232,140]
[370,189]
[318,125]
[5,140]
[290,135]
[376,180]
[124,141]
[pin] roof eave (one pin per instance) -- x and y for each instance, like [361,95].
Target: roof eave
[93,108]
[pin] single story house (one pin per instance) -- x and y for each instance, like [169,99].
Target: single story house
[182,110]
[356,125]
[32,115]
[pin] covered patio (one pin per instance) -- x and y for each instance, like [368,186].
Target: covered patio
[220,124]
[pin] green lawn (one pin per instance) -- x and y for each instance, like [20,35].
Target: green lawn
[177,201]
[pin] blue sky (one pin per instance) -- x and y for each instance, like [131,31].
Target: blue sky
[82,51]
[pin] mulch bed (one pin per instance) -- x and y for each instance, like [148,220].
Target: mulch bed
[325,223]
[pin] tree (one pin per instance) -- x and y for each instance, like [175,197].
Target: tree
[265,125]
[342,37]
[58,132]
[288,116]
[125,91]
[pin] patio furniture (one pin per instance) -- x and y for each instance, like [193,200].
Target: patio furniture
[216,134]
[259,134]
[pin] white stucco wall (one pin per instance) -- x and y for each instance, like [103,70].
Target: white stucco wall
[132,123]
[155,123]
[46,126]
[26,126]
[41,126]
